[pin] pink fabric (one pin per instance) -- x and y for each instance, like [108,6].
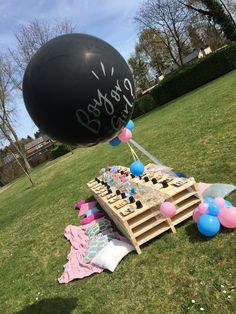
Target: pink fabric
[81,202]
[203,186]
[75,268]
[85,207]
[91,218]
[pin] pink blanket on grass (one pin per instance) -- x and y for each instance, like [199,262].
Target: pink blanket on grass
[75,268]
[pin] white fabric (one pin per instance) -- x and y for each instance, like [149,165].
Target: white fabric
[110,256]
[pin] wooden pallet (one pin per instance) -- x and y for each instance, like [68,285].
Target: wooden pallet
[145,223]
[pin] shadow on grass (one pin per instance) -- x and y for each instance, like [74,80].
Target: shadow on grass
[51,306]
[226,230]
[194,235]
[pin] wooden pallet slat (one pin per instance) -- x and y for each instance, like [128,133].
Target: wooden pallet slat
[152,233]
[137,220]
[142,228]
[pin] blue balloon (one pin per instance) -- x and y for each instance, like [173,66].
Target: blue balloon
[213,209]
[208,200]
[208,225]
[115,142]
[137,168]
[130,125]
[228,204]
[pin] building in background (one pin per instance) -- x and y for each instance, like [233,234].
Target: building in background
[38,146]
[197,54]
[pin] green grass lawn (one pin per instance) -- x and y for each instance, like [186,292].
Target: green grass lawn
[195,134]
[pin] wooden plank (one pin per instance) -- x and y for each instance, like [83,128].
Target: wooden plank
[147,225]
[187,203]
[171,225]
[152,233]
[184,194]
[137,220]
[173,190]
[188,212]
[137,212]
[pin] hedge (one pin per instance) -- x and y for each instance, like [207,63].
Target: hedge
[59,150]
[187,78]
[143,104]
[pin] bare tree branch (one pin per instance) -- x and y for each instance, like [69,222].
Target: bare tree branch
[169,18]
[29,38]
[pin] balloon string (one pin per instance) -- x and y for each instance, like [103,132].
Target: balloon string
[135,156]
[131,152]
[146,153]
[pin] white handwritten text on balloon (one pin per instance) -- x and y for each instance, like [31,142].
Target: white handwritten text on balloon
[90,118]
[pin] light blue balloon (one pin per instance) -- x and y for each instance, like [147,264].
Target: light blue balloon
[137,168]
[115,142]
[208,200]
[213,209]
[208,225]
[130,125]
[228,204]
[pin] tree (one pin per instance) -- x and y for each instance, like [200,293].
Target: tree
[203,32]
[156,53]
[7,132]
[7,108]
[168,19]
[149,59]
[29,38]
[195,37]
[215,10]
[140,69]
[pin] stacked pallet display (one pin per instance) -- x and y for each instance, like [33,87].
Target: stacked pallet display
[141,221]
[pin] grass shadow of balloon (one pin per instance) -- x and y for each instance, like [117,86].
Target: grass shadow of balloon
[226,230]
[52,305]
[194,235]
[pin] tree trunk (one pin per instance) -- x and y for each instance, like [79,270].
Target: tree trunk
[20,148]
[27,173]
[14,144]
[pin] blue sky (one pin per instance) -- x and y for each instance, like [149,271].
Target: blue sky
[111,20]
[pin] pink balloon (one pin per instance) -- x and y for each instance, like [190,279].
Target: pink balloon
[219,201]
[203,208]
[227,217]
[196,214]
[199,211]
[168,209]
[125,135]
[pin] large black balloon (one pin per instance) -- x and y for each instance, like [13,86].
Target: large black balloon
[78,89]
